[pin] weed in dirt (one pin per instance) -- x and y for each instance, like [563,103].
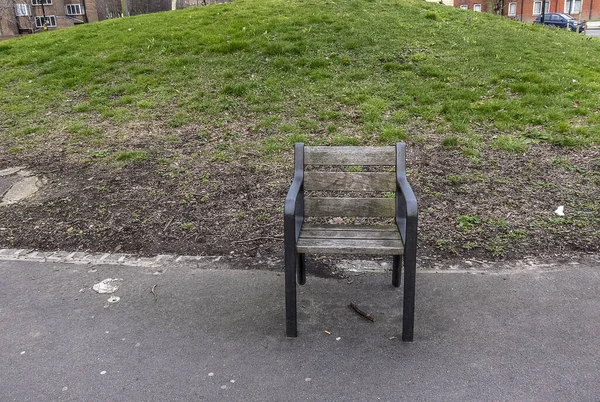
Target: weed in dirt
[101,153]
[450,142]
[190,226]
[327,115]
[510,144]
[467,223]
[340,139]
[391,135]
[81,108]
[454,179]
[82,130]
[131,156]
[145,104]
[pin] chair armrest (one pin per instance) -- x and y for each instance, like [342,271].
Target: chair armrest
[294,201]
[294,207]
[406,202]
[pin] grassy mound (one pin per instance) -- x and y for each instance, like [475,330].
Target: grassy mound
[365,69]
[200,90]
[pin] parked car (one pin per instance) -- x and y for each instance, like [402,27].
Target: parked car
[561,20]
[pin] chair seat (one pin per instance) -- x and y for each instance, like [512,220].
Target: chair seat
[350,239]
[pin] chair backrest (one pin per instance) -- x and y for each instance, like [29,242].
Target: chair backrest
[351,181]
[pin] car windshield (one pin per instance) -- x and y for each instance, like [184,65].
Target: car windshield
[566,16]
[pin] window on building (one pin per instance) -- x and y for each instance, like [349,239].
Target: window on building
[537,7]
[572,6]
[74,9]
[40,2]
[50,21]
[464,7]
[512,9]
[22,10]
[477,7]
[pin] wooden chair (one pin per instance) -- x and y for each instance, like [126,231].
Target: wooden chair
[398,239]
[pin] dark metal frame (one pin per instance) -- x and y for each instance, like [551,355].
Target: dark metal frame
[406,221]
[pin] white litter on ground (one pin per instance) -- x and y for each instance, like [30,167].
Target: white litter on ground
[109,285]
[560,211]
[113,299]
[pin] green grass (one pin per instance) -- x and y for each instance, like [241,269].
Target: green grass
[373,68]
[131,156]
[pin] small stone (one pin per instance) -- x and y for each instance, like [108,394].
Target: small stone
[23,352]
[103,372]
[223,386]
[211,374]
[338,338]
[21,190]
[232,381]
[307,379]
[9,171]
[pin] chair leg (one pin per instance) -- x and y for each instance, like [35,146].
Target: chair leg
[408,317]
[397,270]
[291,325]
[301,263]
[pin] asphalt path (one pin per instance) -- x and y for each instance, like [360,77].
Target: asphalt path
[190,333]
[593,32]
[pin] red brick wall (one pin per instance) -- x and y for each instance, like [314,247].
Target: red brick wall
[485,4]
[8,23]
[590,9]
[58,10]
[91,11]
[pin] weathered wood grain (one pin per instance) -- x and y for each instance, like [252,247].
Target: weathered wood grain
[363,207]
[350,181]
[343,227]
[366,156]
[350,246]
[350,234]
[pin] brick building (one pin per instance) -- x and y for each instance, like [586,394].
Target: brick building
[29,16]
[528,10]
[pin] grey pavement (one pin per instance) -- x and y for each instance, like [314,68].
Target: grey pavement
[593,28]
[218,335]
[593,24]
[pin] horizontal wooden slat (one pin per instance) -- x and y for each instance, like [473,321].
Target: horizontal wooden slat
[366,156]
[350,234]
[365,207]
[342,227]
[350,181]
[349,246]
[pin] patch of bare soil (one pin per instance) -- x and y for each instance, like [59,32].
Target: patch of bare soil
[199,203]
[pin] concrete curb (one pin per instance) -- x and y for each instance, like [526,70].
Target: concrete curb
[79,257]
[132,260]
[347,266]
